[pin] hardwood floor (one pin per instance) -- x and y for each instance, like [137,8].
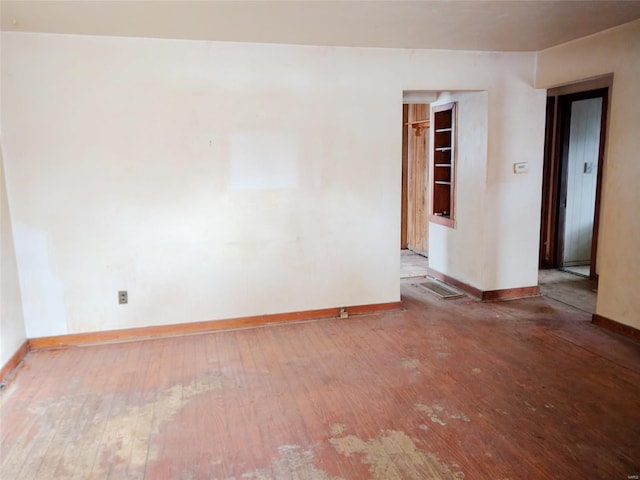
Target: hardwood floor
[525,389]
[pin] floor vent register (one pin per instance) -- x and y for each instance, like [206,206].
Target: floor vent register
[442,290]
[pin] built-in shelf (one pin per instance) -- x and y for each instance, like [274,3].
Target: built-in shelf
[443,174]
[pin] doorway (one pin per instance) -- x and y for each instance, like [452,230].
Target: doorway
[573,164]
[580,184]
[415,171]
[414,234]
[572,178]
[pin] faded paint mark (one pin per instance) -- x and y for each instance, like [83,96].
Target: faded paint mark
[393,455]
[129,433]
[124,436]
[410,363]
[436,411]
[338,429]
[433,416]
[460,416]
[292,463]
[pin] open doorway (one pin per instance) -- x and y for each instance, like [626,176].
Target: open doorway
[414,234]
[578,183]
[415,174]
[573,167]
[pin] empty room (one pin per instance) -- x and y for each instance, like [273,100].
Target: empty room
[319,239]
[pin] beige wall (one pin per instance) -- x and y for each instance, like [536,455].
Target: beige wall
[12,331]
[616,51]
[215,180]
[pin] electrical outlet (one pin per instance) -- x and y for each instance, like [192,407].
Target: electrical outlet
[123,297]
[520,167]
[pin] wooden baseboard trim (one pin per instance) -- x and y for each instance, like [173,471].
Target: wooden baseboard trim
[510,293]
[473,291]
[142,333]
[487,295]
[15,359]
[617,327]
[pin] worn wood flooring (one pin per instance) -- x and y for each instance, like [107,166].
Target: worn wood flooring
[569,288]
[413,264]
[525,389]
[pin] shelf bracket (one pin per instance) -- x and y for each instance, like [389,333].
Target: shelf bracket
[419,125]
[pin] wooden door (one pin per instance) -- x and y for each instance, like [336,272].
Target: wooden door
[572,179]
[417,179]
[582,170]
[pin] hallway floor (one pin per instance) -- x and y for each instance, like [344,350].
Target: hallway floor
[442,390]
[413,264]
[570,289]
[582,270]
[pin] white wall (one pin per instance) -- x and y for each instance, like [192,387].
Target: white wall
[615,51]
[449,251]
[216,180]
[12,331]
[497,214]
[512,233]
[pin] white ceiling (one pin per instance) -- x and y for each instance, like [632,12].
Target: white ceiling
[524,25]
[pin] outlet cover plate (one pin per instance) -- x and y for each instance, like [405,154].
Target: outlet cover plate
[521,167]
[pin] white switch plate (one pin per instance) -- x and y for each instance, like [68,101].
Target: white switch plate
[520,167]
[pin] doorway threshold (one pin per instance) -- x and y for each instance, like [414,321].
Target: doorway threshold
[413,264]
[570,289]
[581,270]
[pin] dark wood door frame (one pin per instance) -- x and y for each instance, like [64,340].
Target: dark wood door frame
[549,186]
[405,174]
[554,188]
